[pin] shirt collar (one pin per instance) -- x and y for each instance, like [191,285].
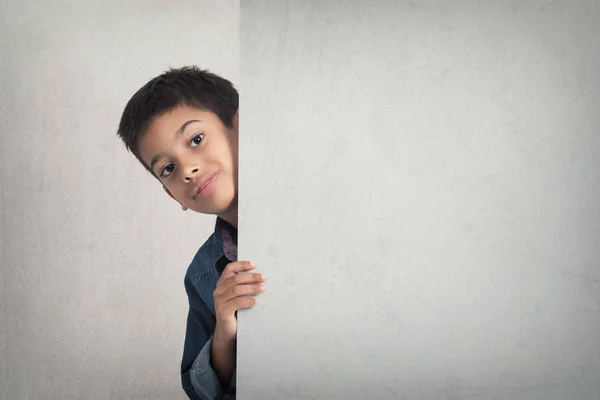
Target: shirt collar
[225,240]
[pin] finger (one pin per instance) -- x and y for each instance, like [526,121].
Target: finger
[230,308]
[240,291]
[242,279]
[235,268]
[240,303]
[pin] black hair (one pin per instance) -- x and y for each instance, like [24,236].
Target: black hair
[187,86]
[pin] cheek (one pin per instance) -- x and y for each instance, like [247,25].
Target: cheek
[177,191]
[232,158]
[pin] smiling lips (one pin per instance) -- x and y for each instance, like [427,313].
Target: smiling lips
[204,187]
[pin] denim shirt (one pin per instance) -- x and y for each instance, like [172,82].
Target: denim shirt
[198,378]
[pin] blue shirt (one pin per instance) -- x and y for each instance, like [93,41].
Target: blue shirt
[198,378]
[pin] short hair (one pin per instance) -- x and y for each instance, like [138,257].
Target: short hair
[187,86]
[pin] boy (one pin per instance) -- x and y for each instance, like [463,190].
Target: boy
[183,127]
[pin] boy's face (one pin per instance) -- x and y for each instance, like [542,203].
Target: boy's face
[195,156]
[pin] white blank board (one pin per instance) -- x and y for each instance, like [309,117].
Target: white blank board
[420,183]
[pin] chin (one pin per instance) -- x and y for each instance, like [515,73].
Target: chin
[216,208]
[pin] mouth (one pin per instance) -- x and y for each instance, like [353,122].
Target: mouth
[204,187]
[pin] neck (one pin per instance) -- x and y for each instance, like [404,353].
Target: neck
[231,216]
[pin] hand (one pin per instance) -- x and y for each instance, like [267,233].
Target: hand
[232,293]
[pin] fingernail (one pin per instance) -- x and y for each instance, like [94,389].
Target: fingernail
[264,278]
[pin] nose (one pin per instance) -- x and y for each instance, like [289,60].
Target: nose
[189,173]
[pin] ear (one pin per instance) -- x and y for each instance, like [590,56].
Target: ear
[173,197]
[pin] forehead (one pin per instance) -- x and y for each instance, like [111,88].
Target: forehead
[162,131]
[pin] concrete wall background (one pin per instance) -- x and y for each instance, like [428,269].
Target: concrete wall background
[420,183]
[428,219]
[92,252]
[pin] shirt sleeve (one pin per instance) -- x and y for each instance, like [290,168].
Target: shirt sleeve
[205,380]
[199,380]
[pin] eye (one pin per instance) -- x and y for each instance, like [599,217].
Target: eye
[166,171]
[197,140]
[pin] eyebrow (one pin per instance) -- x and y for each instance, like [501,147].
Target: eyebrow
[179,132]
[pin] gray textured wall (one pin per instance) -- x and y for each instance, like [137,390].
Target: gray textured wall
[420,183]
[93,253]
[428,221]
